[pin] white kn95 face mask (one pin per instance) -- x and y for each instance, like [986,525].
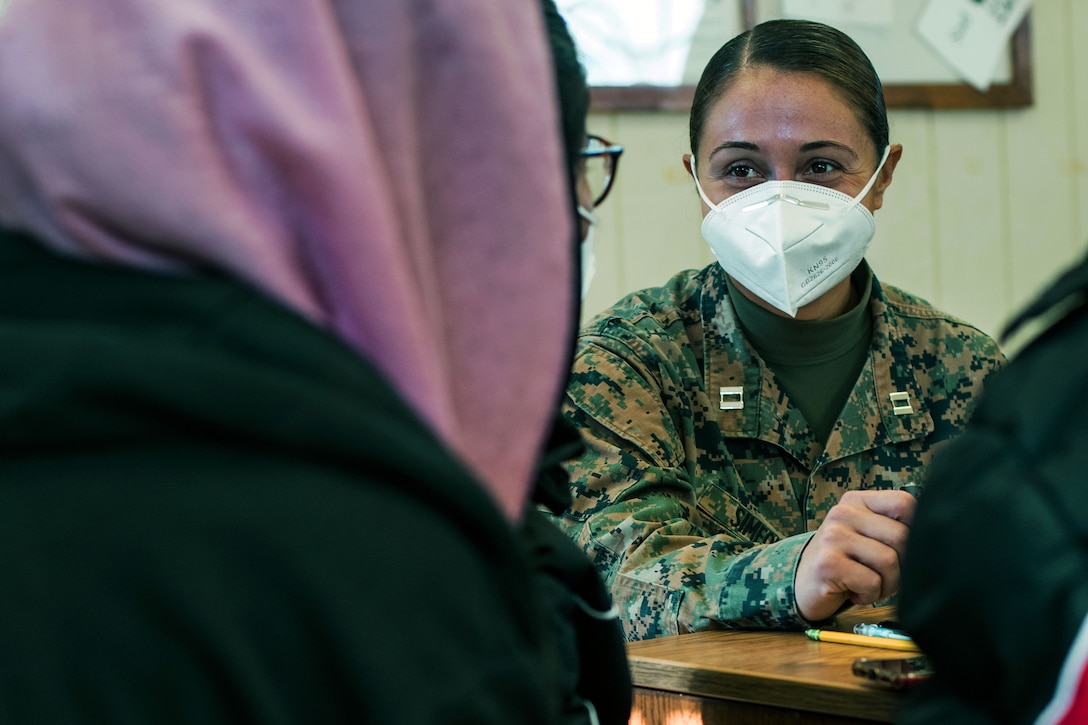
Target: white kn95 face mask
[789,242]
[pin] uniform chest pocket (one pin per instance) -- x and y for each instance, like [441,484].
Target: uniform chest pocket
[751,500]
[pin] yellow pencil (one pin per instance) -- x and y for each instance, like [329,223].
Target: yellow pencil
[826,635]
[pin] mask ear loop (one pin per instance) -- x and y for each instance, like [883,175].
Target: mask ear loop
[589,258]
[586,214]
[698,186]
[872,179]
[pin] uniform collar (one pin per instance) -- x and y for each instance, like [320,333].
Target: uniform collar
[755,406]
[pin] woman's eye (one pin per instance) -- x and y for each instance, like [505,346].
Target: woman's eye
[822,167]
[740,171]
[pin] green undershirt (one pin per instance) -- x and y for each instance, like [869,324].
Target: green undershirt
[816,362]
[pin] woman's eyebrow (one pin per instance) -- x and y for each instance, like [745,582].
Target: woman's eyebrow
[817,145]
[746,145]
[805,147]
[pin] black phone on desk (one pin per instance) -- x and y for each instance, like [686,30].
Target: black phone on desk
[896,672]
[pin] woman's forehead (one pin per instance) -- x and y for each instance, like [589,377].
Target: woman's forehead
[767,107]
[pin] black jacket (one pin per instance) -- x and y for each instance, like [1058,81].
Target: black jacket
[212,511]
[995,579]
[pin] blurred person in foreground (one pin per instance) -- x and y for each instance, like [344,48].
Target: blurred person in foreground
[584,623]
[995,579]
[285,322]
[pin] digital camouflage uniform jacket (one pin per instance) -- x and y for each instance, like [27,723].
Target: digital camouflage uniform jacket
[685,497]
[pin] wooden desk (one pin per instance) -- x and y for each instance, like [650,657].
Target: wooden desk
[758,678]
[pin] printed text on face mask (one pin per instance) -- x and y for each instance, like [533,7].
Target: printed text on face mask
[817,270]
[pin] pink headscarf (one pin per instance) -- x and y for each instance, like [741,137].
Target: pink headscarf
[389,168]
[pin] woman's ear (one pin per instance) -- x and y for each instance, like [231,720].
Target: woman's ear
[686,159]
[887,171]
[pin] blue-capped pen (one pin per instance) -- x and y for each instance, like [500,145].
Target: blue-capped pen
[875,630]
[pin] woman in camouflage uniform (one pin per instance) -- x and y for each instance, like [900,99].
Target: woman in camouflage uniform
[746,435]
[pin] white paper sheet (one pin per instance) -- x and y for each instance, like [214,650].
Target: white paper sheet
[970,35]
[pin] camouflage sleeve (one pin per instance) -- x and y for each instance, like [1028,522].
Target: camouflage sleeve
[670,568]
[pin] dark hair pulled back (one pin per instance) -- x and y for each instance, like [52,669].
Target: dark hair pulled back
[570,82]
[799,46]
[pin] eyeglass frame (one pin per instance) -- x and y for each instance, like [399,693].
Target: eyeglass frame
[613,151]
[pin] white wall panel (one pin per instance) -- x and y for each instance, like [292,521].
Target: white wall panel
[970,205]
[1076,69]
[1041,169]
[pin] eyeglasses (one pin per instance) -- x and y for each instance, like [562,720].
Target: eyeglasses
[600,158]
